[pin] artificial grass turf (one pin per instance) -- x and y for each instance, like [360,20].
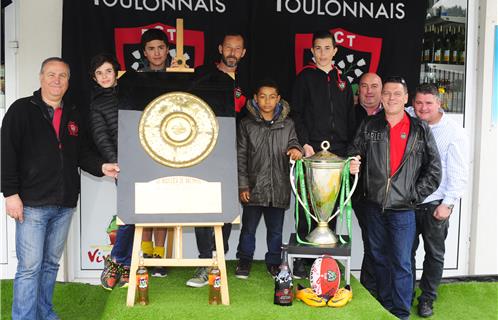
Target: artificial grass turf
[250,299]
[464,300]
[170,298]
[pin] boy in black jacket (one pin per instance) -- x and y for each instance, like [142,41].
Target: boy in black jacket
[322,108]
[266,140]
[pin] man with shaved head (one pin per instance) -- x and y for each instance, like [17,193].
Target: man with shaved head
[370,88]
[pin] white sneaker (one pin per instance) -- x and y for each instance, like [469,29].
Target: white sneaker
[200,278]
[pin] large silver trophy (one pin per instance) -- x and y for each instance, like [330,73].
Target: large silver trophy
[323,183]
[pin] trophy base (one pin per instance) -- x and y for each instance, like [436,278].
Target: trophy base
[322,235]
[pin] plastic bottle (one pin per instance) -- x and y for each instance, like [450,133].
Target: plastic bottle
[142,282]
[214,280]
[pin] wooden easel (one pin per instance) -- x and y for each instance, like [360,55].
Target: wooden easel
[177,260]
[180,60]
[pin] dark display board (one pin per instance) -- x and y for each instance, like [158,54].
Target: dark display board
[377,36]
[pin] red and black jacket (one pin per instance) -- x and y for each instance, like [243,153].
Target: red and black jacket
[36,164]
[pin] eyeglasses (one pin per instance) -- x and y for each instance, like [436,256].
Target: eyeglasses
[395,79]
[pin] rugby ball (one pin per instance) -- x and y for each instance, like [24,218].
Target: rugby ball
[325,276]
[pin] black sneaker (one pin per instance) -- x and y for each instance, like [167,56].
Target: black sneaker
[243,269]
[158,272]
[273,269]
[425,308]
[299,271]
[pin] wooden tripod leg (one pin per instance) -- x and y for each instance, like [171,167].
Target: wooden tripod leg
[169,243]
[132,284]
[220,254]
[178,242]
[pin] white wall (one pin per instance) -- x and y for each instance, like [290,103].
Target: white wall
[36,26]
[484,224]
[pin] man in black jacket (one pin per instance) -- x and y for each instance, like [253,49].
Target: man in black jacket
[43,145]
[369,97]
[227,97]
[401,167]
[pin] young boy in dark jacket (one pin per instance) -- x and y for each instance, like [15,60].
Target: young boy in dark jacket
[266,140]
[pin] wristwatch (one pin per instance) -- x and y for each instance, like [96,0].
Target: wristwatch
[450,206]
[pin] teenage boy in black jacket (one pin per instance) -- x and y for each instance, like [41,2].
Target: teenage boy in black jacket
[43,145]
[322,109]
[322,101]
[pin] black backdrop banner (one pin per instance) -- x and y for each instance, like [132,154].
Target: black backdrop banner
[383,36]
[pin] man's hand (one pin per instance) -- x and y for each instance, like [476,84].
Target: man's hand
[244,196]
[308,150]
[110,169]
[442,212]
[14,207]
[294,154]
[354,165]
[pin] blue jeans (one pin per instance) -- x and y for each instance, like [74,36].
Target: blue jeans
[274,221]
[123,247]
[391,235]
[367,277]
[40,241]
[204,237]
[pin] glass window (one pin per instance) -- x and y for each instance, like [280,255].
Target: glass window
[443,52]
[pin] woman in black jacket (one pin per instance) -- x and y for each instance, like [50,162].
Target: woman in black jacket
[104,105]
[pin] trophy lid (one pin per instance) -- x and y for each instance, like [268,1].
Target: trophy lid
[324,155]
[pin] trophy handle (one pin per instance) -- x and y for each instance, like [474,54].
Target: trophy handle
[293,186]
[355,182]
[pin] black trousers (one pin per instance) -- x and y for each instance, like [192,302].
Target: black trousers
[204,237]
[434,233]
[367,277]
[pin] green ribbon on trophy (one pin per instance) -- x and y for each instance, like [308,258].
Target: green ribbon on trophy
[327,176]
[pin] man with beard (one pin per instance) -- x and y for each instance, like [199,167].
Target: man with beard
[227,98]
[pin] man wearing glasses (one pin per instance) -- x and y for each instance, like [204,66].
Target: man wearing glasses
[401,167]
